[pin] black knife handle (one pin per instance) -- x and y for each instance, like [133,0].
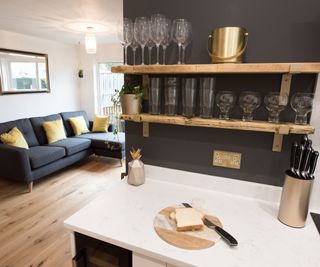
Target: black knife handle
[298,158]
[304,140]
[306,159]
[294,148]
[226,236]
[313,162]
[309,143]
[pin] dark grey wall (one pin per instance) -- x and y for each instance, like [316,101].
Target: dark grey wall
[279,31]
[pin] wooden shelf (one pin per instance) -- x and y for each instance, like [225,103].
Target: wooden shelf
[257,126]
[292,68]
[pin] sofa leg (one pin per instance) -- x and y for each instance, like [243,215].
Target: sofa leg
[121,162]
[30,186]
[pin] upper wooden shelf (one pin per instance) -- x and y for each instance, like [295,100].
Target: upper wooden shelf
[293,68]
[259,126]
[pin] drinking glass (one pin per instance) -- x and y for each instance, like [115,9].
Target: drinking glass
[206,97]
[225,102]
[186,42]
[150,45]
[275,103]
[134,45]
[167,40]
[155,96]
[301,103]
[171,95]
[142,33]
[189,94]
[158,30]
[249,101]
[179,34]
[125,35]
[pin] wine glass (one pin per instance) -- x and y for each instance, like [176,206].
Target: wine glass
[158,22]
[134,45]
[141,33]
[150,45]
[225,102]
[301,103]
[179,34]
[275,103]
[249,101]
[186,42]
[167,40]
[125,35]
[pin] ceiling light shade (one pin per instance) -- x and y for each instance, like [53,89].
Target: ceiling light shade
[90,43]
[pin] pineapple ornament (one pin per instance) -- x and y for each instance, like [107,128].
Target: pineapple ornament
[136,174]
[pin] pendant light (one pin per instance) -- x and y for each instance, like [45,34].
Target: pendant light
[90,41]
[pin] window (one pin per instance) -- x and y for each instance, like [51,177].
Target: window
[108,82]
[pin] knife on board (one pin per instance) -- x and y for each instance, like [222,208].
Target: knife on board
[224,234]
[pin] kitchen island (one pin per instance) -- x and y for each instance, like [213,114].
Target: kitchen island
[123,216]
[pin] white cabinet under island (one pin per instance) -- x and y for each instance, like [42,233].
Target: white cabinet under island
[123,217]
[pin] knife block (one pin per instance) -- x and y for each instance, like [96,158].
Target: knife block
[295,198]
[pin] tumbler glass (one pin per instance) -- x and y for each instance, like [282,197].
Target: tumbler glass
[189,94]
[206,97]
[155,95]
[171,95]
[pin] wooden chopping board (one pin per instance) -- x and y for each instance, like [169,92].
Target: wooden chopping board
[166,229]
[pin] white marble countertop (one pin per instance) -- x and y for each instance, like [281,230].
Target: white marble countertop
[124,215]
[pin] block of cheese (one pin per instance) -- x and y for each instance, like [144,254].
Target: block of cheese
[188,219]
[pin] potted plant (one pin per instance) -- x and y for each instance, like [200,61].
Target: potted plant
[130,98]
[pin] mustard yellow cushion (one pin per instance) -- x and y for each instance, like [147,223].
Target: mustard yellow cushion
[100,124]
[54,130]
[79,125]
[14,138]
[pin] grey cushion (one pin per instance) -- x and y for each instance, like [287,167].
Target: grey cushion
[67,115]
[37,123]
[43,155]
[25,127]
[106,140]
[72,145]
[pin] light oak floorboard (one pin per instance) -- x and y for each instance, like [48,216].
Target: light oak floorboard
[31,224]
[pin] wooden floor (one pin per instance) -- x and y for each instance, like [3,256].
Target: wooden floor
[31,224]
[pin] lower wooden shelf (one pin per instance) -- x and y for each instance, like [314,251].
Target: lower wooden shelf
[279,129]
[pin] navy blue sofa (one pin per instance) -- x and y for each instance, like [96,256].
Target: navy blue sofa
[41,159]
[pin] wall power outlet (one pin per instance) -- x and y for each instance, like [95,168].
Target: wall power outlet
[226,159]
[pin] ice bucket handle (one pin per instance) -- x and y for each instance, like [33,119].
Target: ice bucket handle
[209,41]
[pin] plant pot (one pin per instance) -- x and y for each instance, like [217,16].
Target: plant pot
[136,175]
[130,104]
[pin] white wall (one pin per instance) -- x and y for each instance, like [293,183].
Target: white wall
[88,62]
[315,121]
[64,83]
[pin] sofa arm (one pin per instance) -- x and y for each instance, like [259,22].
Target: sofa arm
[14,163]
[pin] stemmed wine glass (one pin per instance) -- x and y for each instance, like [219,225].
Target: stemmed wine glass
[225,102]
[158,22]
[150,45]
[249,101]
[186,42]
[134,45]
[125,35]
[167,40]
[275,103]
[179,34]
[141,33]
[302,103]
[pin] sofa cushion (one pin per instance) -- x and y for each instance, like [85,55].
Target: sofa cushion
[72,145]
[37,123]
[79,125]
[24,126]
[14,138]
[43,155]
[67,115]
[106,140]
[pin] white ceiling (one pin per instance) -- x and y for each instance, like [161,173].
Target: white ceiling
[49,18]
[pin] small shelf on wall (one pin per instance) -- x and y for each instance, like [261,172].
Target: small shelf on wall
[279,129]
[242,68]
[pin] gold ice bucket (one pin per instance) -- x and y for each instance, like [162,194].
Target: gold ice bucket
[227,44]
[295,198]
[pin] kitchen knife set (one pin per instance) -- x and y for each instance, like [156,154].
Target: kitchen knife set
[303,159]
